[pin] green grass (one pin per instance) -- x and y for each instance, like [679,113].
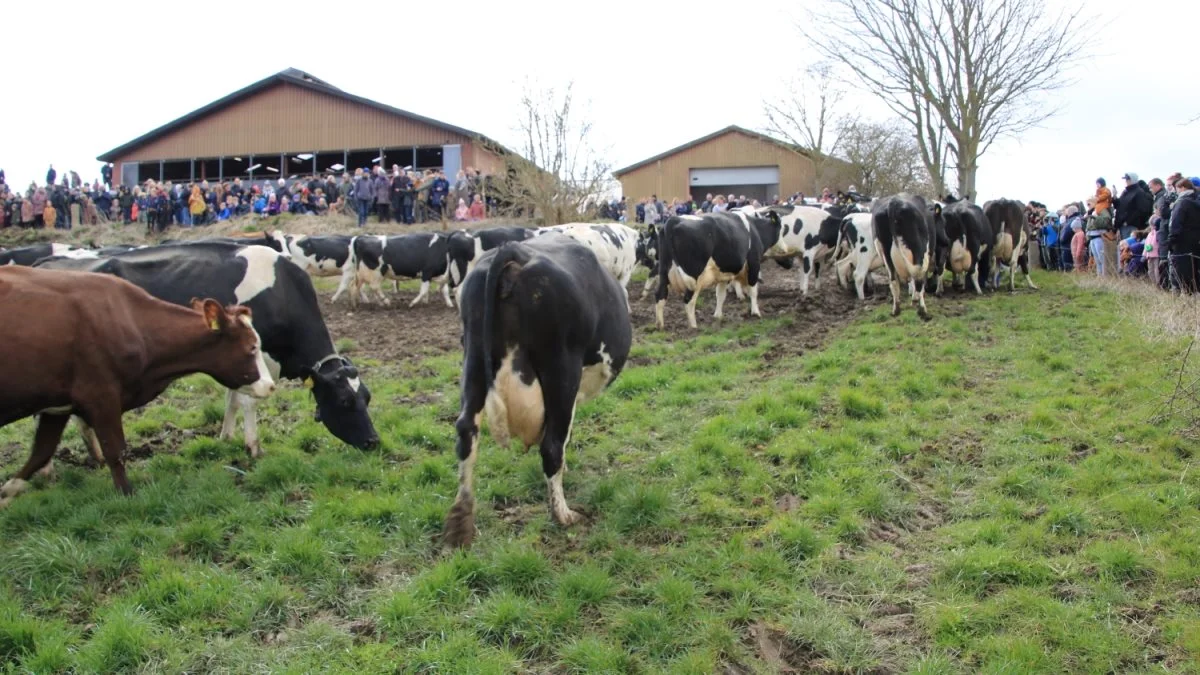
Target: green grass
[982,493]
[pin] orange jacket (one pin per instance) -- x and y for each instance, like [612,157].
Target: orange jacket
[1103,199]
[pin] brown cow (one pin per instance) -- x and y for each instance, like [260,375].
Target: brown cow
[94,346]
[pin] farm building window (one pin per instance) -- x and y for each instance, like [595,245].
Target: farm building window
[298,164]
[400,157]
[361,159]
[236,167]
[177,171]
[265,167]
[327,161]
[429,158]
[148,171]
[208,169]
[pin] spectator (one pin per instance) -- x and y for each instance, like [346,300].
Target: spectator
[1184,238]
[383,195]
[477,212]
[50,176]
[652,212]
[196,206]
[1134,206]
[462,212]
[364,196]
[438,193]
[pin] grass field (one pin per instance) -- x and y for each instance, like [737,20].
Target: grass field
[983,493]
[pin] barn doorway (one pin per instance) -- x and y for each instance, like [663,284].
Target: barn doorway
[753,182]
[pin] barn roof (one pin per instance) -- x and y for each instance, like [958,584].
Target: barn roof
[704,139]
[294,77]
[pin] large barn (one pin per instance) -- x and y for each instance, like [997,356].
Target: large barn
[730,161]
[292,123]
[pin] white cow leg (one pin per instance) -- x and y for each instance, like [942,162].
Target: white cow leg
[722,288]
[421,295]
[250,424]
[691,308]
[860,281]
[804,276]
[658,313]
[230,421]
[737,290]
[754,311]
[975,281]
[347,277]
[649,284]
[895,286]
[450,304]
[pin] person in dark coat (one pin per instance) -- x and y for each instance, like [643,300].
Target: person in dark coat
[364,195]
[50,176]
[437,195]
[1134,206]
[1184,239]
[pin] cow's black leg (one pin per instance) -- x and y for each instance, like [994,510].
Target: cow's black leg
[459,530]
[45,441]
[559,375]
[660,294]
[753,274]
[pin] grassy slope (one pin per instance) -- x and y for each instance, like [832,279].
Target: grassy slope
[962,496]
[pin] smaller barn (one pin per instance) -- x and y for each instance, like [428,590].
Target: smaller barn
[730,161]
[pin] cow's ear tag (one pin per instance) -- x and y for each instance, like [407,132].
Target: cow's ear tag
[308,382]
[216,327]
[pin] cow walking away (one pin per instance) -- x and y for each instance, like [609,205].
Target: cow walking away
[423,256]
[856,251]
[286,315]
[970,242]
[904,239]
[96,346]
[545,328]
[714,249]
[1010,241]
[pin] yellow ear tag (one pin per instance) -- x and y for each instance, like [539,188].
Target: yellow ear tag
[308,382]
[214,325]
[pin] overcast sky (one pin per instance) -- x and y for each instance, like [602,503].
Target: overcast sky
[657,74]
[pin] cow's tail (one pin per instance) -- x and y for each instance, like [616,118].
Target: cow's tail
[507,253]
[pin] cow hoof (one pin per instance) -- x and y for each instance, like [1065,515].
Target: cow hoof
[47,471]
[567,518]
[924,315]
[459,530]
[11,489]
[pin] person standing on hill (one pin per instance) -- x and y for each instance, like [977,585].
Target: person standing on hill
[1184,239]
[50,176]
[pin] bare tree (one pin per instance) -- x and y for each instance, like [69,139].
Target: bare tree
[810,116]
[963,72]
[559,176]
[885,158]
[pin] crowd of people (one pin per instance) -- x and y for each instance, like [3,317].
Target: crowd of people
[405,195]
[652,210]
[1149,229]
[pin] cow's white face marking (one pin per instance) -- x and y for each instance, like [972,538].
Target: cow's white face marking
[260,272]
[265,385]
[513,407]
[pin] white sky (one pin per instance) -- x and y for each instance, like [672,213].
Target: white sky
[657,75]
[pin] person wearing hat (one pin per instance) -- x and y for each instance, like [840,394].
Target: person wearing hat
[1134,206]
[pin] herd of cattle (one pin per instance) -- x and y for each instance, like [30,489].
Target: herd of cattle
[545,314]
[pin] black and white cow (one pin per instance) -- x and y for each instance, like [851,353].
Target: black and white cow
[285,314]
[809,233]
[322,256]
[856,251]
[646,253]
[1007,220]
[545,327]
[970,241]
[904,238]
[423,256]
[467,247]
[26,256]
[614,245]
[696,252]
[256,239]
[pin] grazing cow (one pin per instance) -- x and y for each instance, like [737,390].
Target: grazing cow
[26,256]
[904,234]
[545,328]
[322,256]
[286,316]
[467,247]
[856,250]
[615,246]
[422,256]
[806,232]
[95,346]
[970,240]
[1007,220]
[696,252]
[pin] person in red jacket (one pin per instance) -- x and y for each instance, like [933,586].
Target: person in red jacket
[476,211]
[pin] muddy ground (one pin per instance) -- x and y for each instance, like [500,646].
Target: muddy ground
[395,333]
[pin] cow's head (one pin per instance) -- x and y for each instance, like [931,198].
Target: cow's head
[342,401]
